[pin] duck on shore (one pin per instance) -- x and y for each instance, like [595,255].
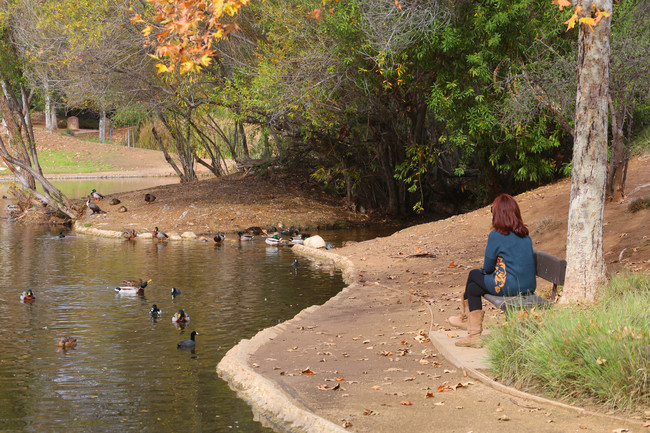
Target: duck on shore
[93,207]
[149,198]
[96,196]
[157,234]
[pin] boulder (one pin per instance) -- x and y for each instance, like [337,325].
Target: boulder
[314,242]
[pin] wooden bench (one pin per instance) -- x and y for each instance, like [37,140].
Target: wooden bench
[548,267]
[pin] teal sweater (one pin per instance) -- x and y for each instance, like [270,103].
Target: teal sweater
[509,264]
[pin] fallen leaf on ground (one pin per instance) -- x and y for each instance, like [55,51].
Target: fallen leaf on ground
[322,387]
[452,265]
[429,394]
[504,418]
[406,403]
[307,371]
[368,412]
[377,388]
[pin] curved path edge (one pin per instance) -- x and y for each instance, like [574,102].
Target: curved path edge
[274,407]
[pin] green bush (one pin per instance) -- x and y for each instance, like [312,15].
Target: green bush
[596,354]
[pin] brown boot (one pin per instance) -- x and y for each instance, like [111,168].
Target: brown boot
[460,321]
[474,329]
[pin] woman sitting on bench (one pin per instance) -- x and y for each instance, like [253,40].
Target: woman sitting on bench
[508,268]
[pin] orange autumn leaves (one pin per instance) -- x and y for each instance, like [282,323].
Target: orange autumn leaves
[579,15]
[184,31]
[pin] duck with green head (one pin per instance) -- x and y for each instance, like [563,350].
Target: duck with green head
[157,234]
[27,296]
[132,287]
[96,196]
[181,317]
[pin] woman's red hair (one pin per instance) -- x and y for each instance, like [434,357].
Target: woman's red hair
[506,216]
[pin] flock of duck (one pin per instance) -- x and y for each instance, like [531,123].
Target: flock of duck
[130,287]
[273,238]
[137,286]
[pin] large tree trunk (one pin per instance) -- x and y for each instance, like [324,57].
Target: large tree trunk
[584,255]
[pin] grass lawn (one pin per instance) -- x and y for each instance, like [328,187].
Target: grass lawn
[57,161]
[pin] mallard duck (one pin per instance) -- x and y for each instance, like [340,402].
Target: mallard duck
[295,264]
[129,235]
[298,238]
[157,234]
[96,196]
[61,235]
[115,201]
[255,231]
[93,207]
[155,311]
[175,292]
[27,296]
[188,344]
[219,238]
[67,342]
[149,198]
[273,240]
[180,317]
[132,287]
[245,236]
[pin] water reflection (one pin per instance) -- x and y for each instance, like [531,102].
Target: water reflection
[126,371]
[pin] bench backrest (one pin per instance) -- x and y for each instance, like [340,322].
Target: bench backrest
[549,267]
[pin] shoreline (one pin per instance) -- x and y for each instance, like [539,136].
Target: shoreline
[281,407]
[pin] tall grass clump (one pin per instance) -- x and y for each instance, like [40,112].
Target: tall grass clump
[595,354]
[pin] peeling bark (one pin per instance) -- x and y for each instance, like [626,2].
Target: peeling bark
[584,255]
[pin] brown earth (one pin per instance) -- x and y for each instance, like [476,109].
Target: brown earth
[367,335]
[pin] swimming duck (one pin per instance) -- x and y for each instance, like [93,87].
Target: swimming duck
[157,234]
[115,201]
[155,311]
[129,235]
[298,238]
[295,264]
[180,317]
[245,236]
[61,235]
[93,207]
[27,296]
[96,196]
[132,287]
[220,238]
[273,240]
[67,342]
[188,344]
[175,292]
[149,198]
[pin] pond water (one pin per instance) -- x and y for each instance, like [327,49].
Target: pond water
[126,372]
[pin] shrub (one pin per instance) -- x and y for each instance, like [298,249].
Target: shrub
[597,354]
